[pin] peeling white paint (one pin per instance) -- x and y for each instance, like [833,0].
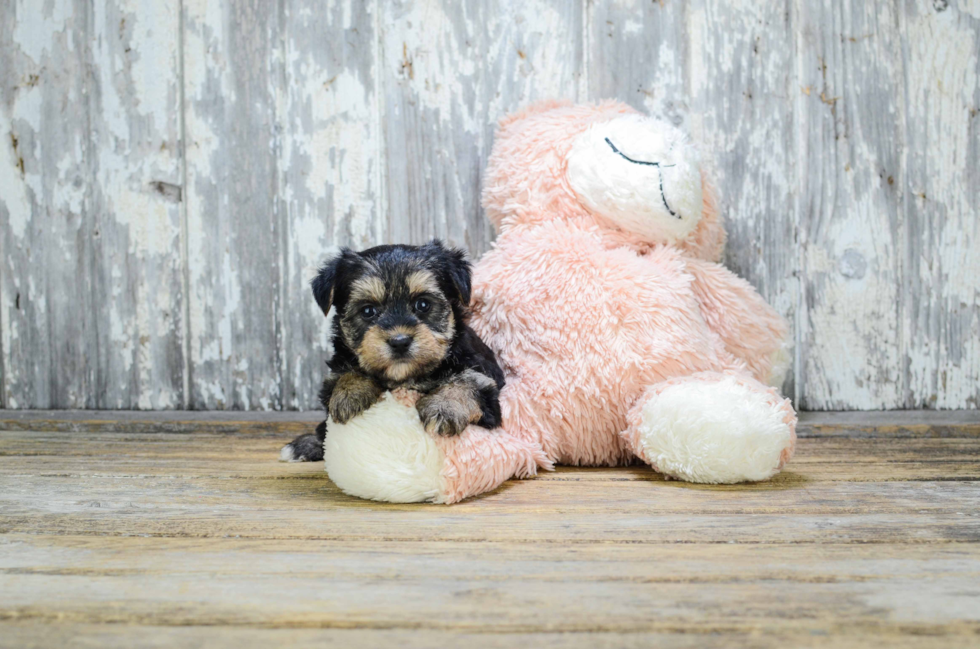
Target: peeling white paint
[435,59]
[339,146]
[38,27]
[944,342]
[971,7]
[13,194]
[381,117]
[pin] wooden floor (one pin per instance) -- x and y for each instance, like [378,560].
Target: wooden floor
[179,530]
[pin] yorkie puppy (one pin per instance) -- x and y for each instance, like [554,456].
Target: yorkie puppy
[401,323]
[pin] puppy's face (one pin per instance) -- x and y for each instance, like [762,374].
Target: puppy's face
[397,306]
[398,321]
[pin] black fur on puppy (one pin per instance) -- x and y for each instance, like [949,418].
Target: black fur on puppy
[401,323]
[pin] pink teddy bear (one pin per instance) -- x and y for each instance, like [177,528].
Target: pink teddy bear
[620,335]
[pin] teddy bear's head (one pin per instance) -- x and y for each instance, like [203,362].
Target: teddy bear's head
[638,176]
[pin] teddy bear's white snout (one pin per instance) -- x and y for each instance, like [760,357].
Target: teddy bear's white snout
[641,174]
[385,454]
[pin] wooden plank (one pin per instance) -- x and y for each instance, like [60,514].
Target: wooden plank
[681,563]
[767,529]
[957,423]
[331,168]
[887,422]
[252,454]
[441,586]
[638,52]
[417,561]
[941,191]
[187,421]
[450,70]
[46,225]
[89,193]
[253,443]
[850,130]
[741,74]
[260,464]
[137,278]
[824,459]
[204,496]
[28,635]
[890,423]
[232,73]
[566,509]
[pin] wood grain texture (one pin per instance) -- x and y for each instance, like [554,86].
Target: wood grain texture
[638,52]
[941,305]
[140,537]
[851,123]
[89,198]
[28,635]
[908,423]
[171,175]
[232,72]
[834,458]
[451,70]
[331,169]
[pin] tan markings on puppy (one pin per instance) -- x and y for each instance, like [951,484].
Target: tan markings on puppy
[421,281]
[401,329]
[353,394]
[426,353]
[373,352]
[400,369]
[451,408]
[430,347]
[368,289]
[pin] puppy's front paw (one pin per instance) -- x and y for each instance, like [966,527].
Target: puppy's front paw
[352,395]
[444,416]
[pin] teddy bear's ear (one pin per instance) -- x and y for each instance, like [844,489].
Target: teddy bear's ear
[328,277]
[531,109]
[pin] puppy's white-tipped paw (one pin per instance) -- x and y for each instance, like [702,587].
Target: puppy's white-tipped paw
[288,454]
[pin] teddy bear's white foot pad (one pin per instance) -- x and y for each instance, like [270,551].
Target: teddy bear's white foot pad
[717,429]
[385,454]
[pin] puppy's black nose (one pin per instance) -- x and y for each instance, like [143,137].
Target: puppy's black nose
[400,343]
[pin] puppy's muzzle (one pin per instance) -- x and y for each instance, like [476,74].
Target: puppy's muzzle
[400,344]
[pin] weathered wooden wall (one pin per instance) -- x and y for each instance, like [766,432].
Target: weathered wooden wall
[171,173]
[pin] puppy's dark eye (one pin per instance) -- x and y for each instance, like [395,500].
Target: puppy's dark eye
[368,311]
[422,305]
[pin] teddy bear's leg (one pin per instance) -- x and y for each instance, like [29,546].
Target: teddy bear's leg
[386,454]
[712,427]
[481,460]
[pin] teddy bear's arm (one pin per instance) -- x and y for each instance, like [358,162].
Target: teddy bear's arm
[751,329]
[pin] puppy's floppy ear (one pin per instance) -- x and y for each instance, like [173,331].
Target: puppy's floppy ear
[460,272]
[456,266]
[328,277]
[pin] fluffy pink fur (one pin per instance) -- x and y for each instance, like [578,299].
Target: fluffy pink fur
[586,319]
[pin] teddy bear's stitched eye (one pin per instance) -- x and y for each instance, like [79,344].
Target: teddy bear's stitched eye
[368,311]
[422,305]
